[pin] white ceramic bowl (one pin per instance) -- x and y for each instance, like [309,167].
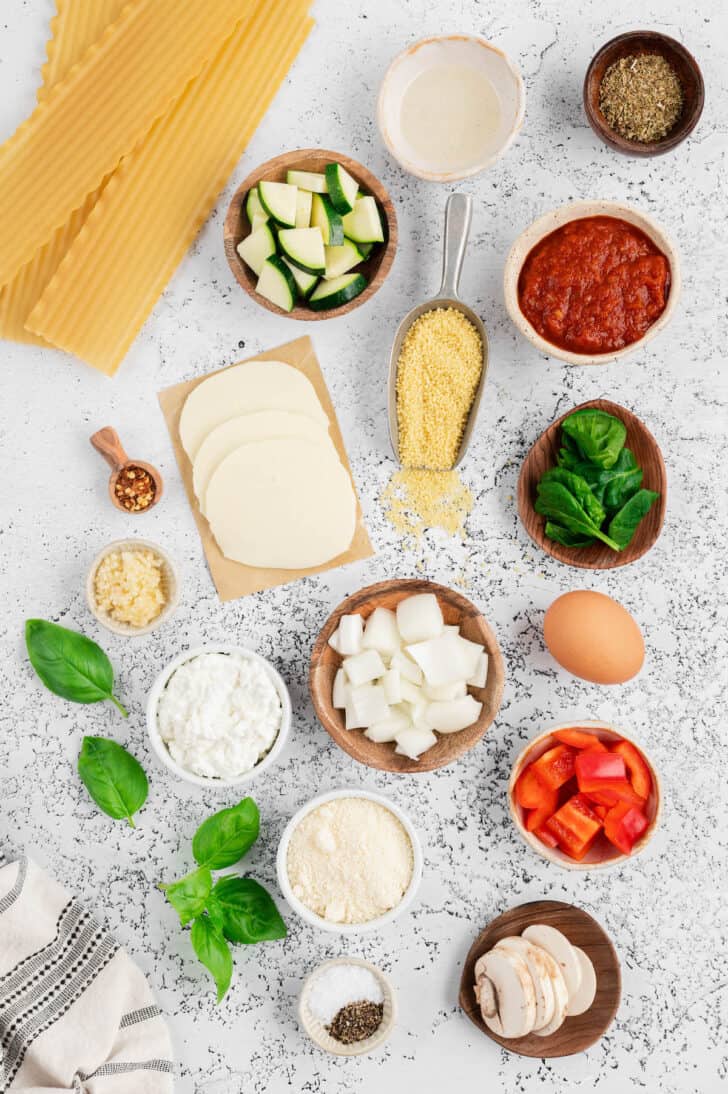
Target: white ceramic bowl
[318,1033]
[599,857]
[457,49]
[317,920]
[159,746]
[548,223]
[170,586]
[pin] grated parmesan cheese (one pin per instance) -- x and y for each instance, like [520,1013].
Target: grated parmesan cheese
[417,500]
[128,586]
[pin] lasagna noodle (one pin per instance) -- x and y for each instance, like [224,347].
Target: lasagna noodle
[100,112]
[162,193]
[75,27]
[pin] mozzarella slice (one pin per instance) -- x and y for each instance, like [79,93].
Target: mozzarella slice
[533,956]
[584,997]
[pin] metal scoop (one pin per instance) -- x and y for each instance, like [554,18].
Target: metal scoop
[458,214]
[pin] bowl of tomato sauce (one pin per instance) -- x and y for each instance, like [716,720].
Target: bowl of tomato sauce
[592,281]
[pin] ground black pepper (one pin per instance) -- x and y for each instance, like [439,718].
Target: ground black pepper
[356,1022]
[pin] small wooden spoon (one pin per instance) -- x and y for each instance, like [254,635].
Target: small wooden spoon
[106,441]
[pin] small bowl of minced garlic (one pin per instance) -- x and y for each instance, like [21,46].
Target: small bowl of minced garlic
[132,587]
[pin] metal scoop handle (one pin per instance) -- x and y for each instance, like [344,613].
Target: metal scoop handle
[458,215]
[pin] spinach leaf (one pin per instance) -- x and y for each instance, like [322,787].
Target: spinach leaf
[113,778]
[214,953]
[599,435]
[579,487]
[69,664]
[565,537]
[224,838]
[247,910]
[189,896]
[555,501]
[623,524]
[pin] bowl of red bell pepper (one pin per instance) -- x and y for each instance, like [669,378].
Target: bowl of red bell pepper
[585,796]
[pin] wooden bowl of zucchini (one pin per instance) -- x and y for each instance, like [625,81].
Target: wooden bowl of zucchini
[311,234]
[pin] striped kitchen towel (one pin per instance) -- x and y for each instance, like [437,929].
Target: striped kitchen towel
[75,1011]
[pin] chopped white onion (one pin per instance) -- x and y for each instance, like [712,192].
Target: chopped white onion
[334,641]
[419,618]
[406,667]
[409,692]
[387,729]
[443,660]
[381,633]
[413,742]
[480,676]
[341,690]
[351,629]
[364,667]
[392,684]
[455,715]
[445,692]
[369,704]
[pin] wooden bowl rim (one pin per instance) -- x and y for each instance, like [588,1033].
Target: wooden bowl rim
[384,754]
[289,161]
[601,730]
[572,556]
[466,997]
[667,47]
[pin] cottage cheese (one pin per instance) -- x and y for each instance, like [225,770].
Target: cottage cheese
[219,714]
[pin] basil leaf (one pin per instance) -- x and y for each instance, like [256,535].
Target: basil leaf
[558,503]
[69,664]
[224,838]
[189,896]
[623,525]
[599,435]
[214,953]
[569,539]
[579,487]
[113,777]
[247,910]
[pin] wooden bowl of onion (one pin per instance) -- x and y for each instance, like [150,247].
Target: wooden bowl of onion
[406,676]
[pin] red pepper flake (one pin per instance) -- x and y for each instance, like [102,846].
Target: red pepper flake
[134,489]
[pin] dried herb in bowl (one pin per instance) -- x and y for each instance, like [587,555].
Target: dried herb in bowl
[641,97]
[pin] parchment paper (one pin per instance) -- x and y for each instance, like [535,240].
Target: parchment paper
[233,579]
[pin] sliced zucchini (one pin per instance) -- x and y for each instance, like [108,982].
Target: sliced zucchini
[253,207]
[259,220]
[325,217]
[332,294]
[307,180]
[363,224]
[305,282]
[256,247]
[342,188]
[276,283]
[339,260]
[303,209]
[304,247]
[366,249]
[279,201]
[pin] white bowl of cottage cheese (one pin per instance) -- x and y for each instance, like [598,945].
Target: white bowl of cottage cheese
[218,715]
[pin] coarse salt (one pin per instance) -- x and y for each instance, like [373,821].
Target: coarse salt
[339,985]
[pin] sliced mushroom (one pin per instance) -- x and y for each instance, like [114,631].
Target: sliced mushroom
[533,956]
[584,997]
[561,994]
[558,945]
[508,975]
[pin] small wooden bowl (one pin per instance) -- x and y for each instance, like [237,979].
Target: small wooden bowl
[580,1032]
[106,442]
[686,68]
[542,456]
[603,853]
[325,661]
[237,227]
[170,588]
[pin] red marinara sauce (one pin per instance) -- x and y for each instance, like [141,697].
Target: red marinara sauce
[594,285]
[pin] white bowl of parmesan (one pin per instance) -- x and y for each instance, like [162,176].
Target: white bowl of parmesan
[349,861]
[218,715]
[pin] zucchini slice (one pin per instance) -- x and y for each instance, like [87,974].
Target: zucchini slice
[253,207]
[364,224]
[276,283]
[332,294]
[305,282]
[307,180]
[325,217]
[303,209]
[366,249]
[256,247]
[304,247]
[342,188]
[259,220]
[339,260]
[279,201]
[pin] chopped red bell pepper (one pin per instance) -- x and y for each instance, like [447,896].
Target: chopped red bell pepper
[555,767]
[596,770]
[637,769]
[529,789]
[579,738]
[545,836]
[575,827]
[623,826]
[601,810]
[546,808]
[616,792]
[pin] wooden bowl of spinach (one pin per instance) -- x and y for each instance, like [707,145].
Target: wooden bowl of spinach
[593,488]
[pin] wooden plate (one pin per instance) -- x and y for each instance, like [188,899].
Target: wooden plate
[578,1033]
[325,661]
[542,456]
[237,227]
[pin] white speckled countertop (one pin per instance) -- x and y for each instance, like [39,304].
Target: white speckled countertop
[665,912]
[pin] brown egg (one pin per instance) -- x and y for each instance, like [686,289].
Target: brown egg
[594,637]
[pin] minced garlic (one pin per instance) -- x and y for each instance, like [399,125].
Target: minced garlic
[438,373]
[417,500]
[128,586]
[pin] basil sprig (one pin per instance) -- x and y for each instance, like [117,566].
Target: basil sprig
[235,909]
[70,664]
[113,777]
